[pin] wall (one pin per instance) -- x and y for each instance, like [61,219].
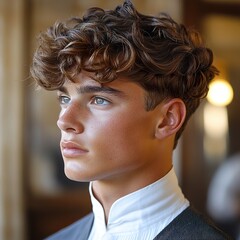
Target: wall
[11,119]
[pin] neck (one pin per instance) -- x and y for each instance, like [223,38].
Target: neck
[110,190]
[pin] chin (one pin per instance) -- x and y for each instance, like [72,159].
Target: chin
[75,176]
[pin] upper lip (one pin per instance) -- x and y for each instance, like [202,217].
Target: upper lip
[72,145]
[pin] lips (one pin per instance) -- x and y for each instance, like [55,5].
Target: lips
[71,149]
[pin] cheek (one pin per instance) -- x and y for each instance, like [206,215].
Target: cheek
[120,135]
[108,130]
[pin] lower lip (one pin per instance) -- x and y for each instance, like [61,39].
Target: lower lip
[73,152]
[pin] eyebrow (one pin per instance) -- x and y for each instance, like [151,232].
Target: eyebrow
[94,89]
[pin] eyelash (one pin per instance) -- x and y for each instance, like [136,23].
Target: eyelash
[63,100]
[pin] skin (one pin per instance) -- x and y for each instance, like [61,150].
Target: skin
[108,137]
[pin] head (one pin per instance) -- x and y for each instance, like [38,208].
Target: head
[163,57]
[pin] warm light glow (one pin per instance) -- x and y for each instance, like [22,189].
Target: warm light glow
[215,120]
[220,93]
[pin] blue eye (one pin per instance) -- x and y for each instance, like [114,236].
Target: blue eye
[100,101]
[63,100]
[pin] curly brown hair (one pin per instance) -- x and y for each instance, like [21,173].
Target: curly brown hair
[164,57]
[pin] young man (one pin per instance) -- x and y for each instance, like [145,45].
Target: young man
[127,84]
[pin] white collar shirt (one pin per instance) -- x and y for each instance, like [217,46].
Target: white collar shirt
[140,215]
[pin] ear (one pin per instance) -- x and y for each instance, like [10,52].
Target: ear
[173,113]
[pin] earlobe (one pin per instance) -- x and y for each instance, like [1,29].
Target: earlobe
[173,113]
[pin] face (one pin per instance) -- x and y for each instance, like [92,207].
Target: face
[106,133]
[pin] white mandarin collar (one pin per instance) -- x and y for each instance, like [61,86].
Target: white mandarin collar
[153,206]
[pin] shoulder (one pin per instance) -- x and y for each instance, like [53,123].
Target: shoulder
[192,225]
[78,229]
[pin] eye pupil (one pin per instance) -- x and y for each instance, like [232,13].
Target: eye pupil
[64,100]
[99,101]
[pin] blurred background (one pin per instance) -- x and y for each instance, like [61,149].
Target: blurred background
[36,199]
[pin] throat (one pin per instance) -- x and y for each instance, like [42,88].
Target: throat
[106,195]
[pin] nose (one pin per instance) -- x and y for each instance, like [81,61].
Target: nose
[69,119]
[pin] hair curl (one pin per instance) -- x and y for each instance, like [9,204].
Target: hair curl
[164,57]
